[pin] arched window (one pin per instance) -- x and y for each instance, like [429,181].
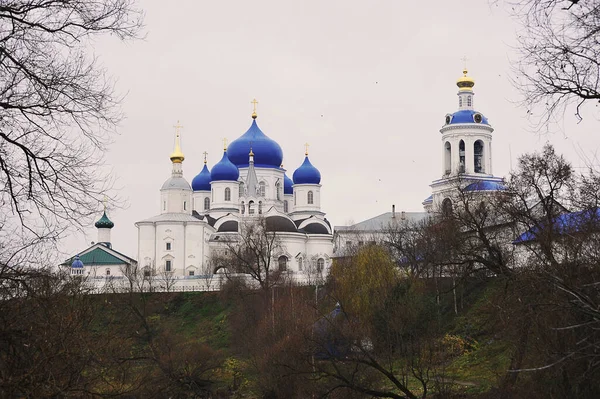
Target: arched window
[250,207]
[277,188]
[184,205]
[320,265]
[461,156]
[285,206]
[227,194]
[164,205]
[243,207]
[259,207]
[282,261]
[206,203]
[478,160]
[447,207]
[108,272]
[469,101]
[262,189]
[460,101]
[168,265]
[310,197]
[241,189]
[300,264]
[447,157]
[294,198]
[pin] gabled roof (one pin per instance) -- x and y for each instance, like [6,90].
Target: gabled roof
[382,221]
[99,255]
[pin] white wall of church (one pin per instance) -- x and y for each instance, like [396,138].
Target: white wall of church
[301,200]
[176,201]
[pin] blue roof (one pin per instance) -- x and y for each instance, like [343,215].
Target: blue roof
[467,116]
[224,170]
[202,180]
[307,173]
[485,185]
[267,153]
[287,185]
[567,223]
[77,263]
[429,199]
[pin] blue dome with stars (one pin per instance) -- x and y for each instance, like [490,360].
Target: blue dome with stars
[202,180]
[467,116]
[287,185]
[77,263]
[307,173]
[267,153]
[224,170]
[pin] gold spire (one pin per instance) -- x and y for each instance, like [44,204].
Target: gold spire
[205,154]
[465,83]
[224,143]
[306,145]
[104,202]
[251,153]
[177,155]
[254,102]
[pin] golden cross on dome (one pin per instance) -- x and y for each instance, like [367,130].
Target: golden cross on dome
[306,145]
[254,103]
[177,127]
[205,154]
[224,144]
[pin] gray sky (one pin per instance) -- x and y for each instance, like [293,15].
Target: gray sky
[366,83]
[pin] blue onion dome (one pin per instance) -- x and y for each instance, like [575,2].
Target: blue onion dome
[307,173]
[202,180]
[287,185]
[224,170]
[104,222]
[77,263]
[466,116]
[267,153]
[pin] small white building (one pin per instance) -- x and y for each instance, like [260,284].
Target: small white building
[100,261]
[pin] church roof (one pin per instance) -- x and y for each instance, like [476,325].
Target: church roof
[100,255]
[467,116]
[171,217]
[382,221]
[104,222]
[225,170]
[267,153]
[202,180]
[567,223]
[485,185]
[307,173]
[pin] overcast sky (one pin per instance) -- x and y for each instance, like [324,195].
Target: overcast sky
[366,83]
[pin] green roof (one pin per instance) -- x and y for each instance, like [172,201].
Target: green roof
[98,257]
[104,222]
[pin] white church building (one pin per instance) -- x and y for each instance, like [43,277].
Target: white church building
[466,161]
[248,183]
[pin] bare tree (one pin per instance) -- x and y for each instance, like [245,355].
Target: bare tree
[559,63]
[252,251]
[58,108]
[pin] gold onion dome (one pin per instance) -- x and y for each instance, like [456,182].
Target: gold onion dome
[177,155]
[465,82]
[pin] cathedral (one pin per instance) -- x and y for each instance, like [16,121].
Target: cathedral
[247,184]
